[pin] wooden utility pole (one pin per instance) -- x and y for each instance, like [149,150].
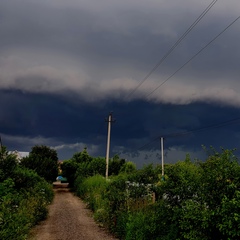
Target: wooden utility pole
[1,147]
[109,120]
[162,158]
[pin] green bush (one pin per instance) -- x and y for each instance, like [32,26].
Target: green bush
[8,164]
[25,178]
[24,197]
[152,222]
[20,210]
[195,200]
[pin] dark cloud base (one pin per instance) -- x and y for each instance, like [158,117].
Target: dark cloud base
[70,120]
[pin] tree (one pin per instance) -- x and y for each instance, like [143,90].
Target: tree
[82,164]
[182,181]
[128,168]
[83,156]
[8,164]
[205,197]
[220,193]
[69,168]
[97,166]
[44,161]
[115,165]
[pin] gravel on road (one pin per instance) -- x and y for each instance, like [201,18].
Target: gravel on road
[69,219]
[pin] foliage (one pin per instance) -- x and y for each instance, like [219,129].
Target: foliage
[81,157]
[82,165]
[25,178]
[200,195]
[97,166]
[182,182]
[69,168]
[115,165]
[20,210]
[8,164]
[44,161]
[230,216]
[153,222]
[24,197]
[195,200]
[93,190]
[128,168]
[94,167]
[220,194]
[105,198]
[147,175]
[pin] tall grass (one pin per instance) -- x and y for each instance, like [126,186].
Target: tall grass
[92,190]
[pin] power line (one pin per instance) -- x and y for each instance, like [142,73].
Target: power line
[174,46]
[147,144]
[180,134]
[195,55]
[188,132]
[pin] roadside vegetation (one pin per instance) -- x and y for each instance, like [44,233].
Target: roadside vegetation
[24,195]
[196,200]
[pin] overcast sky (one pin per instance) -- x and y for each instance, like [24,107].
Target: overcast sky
[64,65]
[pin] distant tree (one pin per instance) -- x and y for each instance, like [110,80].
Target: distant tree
[83,156]
[44,152]
[8,164]
[97,166]
[44,161]
[77,165]
[128,167]
[147,175]
[69,168]
[115,165]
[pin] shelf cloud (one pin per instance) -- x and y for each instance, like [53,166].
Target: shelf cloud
[65,65]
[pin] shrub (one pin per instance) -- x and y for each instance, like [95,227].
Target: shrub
[23,203]
[152,222]
[8,164]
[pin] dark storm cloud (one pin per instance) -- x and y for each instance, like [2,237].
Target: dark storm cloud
[61,121]
[129,33]
[79,33]
[65,64]
[45,115]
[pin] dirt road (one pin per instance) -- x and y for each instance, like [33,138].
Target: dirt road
[68,219]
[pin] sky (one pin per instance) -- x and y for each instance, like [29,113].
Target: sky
[65,65]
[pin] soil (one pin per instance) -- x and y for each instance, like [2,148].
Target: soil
[68,219]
